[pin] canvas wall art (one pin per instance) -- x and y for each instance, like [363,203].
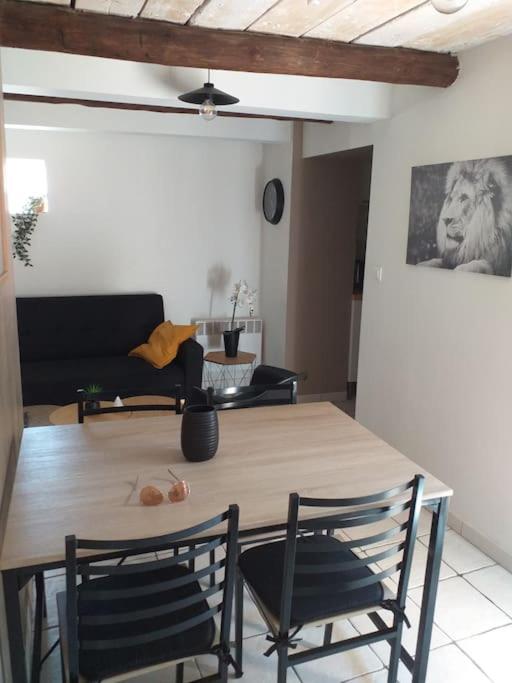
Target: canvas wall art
[461,216]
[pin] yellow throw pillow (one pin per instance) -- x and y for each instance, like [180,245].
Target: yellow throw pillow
[163,343]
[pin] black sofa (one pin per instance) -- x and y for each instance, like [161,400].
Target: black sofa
[69,342]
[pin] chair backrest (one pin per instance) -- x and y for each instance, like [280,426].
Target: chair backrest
[252,396]
[302,560]
[268,374]
[90,617]
[87,403]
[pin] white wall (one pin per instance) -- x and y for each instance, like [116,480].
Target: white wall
[275,239]
[435,373]
[144,213]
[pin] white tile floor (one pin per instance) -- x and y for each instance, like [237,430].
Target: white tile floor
[471,643]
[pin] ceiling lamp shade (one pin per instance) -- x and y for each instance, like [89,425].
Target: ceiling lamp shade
[448,6]
[208,92]
[208,98]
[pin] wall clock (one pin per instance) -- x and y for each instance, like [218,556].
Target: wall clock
[273,201]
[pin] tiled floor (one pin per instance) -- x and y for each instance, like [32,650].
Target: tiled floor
[471,643]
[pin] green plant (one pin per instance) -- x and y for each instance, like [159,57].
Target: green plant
[24,225]
[93,389]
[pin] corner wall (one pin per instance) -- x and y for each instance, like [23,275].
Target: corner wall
[180,216]
[435,371]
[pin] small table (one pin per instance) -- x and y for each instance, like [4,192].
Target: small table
[222,371]
[68,415]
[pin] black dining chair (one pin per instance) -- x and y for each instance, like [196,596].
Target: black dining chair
[251,396]
[89,404]
[269,385]
[269,374]
[315,577]
[125,620]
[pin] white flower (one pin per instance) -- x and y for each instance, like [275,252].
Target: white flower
[242,295]
[250,298]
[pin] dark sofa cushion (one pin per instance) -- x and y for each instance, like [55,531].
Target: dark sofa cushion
[96,665]
[52,328]
[57,381]
[262,567]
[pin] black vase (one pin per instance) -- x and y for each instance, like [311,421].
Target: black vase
[231,339]
[199,433]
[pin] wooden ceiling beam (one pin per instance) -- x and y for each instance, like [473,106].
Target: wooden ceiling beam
[58,29]
[134,106]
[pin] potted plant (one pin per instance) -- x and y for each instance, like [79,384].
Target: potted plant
[24,224]
[90,390]
[241,295]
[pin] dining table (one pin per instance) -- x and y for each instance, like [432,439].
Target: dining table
[80,479]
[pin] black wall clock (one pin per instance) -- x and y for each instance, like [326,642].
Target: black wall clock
[273,201]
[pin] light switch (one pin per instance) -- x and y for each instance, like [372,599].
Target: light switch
[378,273]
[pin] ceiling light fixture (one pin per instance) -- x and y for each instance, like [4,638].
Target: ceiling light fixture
[208,98]
[448,6]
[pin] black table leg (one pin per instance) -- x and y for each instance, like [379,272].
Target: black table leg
[428,604]
[14,627]
[35,675]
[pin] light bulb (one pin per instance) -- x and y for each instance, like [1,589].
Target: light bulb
[208,110]
[448,6]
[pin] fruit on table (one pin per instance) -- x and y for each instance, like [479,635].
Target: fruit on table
[179,491]
[150,495]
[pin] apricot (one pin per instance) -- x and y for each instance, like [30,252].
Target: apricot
[150,495]
[179,491]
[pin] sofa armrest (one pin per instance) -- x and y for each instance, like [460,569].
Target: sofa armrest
[190,357]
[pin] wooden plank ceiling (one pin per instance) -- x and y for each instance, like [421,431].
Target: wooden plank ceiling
[391,23]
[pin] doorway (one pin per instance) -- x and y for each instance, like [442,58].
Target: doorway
[328,245]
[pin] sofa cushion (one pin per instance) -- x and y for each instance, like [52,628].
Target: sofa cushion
[60,379]
[163,344]
[262,568]
[85,326]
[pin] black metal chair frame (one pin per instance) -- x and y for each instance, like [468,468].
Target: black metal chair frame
[195,541]
[252,396]
[363,511]
[83,398]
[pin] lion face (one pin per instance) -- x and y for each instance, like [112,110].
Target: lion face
[456,217]
[474,224]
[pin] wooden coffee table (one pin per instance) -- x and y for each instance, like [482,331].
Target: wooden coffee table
[66,415]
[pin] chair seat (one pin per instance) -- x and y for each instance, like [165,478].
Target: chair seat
[262,568]
[100,664]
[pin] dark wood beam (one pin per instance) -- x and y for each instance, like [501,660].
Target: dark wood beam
[103,104]
[60,29]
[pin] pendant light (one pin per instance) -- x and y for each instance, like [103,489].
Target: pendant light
[448,6]
[208,98]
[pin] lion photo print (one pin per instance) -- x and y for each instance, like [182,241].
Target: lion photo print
[461,216]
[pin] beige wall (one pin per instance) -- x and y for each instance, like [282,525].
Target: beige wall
[435,370]
[322,249]
[10,391]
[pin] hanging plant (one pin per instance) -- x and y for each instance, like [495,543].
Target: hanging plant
[24,225]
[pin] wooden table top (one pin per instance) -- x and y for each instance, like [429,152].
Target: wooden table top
[68,415]
[219,357]
[78,478]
